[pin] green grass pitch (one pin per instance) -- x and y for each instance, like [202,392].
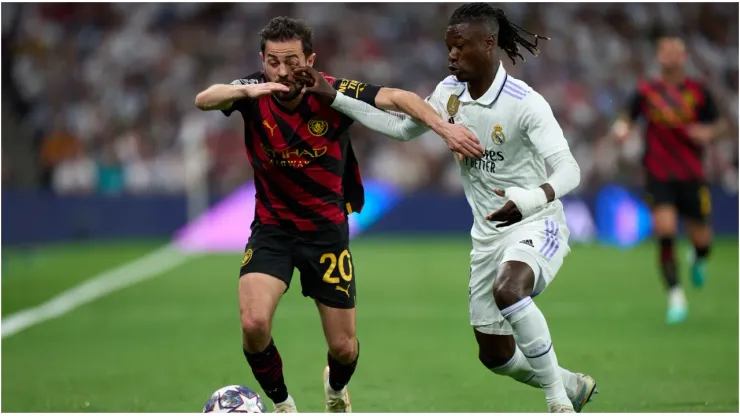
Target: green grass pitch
[165,344]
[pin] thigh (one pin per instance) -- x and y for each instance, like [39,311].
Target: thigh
[660,193]
[694,201]
[485,316]
[327,269]
[269,251]
[542,245]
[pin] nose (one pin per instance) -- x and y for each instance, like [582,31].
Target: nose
[452,56]
[283,71]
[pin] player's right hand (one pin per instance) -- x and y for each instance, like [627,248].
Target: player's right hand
[461,140]
[258,90]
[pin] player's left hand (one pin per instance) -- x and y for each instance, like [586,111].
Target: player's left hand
[314,82]
[522,203]
[508,214]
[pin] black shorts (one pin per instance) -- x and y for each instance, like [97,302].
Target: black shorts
[691,199]
[322,257]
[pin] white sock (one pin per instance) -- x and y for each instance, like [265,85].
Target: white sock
[519,369]
[676,296]
[533,337]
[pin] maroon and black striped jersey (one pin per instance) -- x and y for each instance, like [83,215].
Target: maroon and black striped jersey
[306,174]
[668,110]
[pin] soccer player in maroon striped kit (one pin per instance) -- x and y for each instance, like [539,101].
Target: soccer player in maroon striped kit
[307,180]
[681,119]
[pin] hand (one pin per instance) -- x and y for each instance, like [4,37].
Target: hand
[621,131]
[700,133]
[314,82]
[258,90]
[522,204]
[509,214]
[460,140]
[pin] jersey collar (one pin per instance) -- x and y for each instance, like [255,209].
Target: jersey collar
[493,91]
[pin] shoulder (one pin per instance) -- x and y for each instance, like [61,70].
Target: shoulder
[253,78]
[521,97]
[645,85]
[450,85]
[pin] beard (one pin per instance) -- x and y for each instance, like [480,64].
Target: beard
[295,90]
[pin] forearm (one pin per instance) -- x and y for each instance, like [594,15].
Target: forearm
[717,128]
[565,176]
[397,127]
[411,104]
[220,96]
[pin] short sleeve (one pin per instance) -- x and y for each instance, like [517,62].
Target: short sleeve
[356,89]
[634,106]
[539,125]
[240,105]
[708,112]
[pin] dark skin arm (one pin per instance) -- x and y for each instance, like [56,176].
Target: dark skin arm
[509,214]
[458,138]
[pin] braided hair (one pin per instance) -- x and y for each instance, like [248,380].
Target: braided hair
[509,34]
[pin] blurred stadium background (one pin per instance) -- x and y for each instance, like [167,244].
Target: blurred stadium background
[105,159]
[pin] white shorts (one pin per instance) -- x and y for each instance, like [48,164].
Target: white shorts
[542,244]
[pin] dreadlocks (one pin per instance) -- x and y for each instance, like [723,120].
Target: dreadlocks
[509,37]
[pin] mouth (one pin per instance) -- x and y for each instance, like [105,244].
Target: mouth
[453,69]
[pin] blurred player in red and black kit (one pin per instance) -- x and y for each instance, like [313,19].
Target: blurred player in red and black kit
[681,119]
[307,181]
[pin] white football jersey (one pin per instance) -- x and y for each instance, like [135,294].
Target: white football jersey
[518,130]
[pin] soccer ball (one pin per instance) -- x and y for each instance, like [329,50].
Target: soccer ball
[235,399]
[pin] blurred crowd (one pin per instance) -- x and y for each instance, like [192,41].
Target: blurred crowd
[98,98]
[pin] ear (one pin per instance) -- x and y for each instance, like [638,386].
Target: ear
[491,42]
[262,58]
[310,60]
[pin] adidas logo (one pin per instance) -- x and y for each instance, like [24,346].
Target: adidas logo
[527,242]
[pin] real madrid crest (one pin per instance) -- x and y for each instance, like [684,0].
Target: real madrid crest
[247,257]
[498,134]
[318,127]
[453,104]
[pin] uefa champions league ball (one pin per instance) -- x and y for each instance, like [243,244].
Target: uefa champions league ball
[235,399]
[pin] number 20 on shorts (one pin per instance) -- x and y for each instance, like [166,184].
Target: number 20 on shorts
[332,259]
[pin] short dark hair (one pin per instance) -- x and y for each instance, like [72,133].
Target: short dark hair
[509,37]
[282,28]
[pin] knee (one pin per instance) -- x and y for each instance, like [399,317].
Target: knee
[255,325]
[509,289]
[344,349]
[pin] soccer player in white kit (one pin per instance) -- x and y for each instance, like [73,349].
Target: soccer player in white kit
[519,235]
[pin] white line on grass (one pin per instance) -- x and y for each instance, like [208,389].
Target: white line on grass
[144,268]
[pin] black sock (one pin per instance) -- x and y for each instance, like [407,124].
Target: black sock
[668,262]
[267,367]
[702,252]
[339,374]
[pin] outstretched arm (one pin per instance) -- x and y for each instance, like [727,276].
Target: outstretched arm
[223,96]
[395,125]
[458,138]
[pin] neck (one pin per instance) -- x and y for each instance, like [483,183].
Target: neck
[478,87]
[672,77]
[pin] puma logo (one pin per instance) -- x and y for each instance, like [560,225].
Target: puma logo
[272,129]
[341,289]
